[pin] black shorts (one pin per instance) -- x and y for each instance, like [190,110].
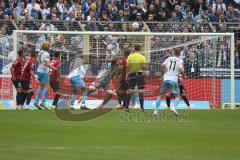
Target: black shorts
[182,91]
[17,83]
[55,85]
[136,79]
[123,85]
[26,85]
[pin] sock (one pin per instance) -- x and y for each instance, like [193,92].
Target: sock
[28,100]
[158,103]
[73,99]
[168,101]
[84,97]
[24,97]
[19,98]
[141,100]
[29,97]
[38,94]
[105,101]
[55,100]
[45,93]
[176,102]
[186,100]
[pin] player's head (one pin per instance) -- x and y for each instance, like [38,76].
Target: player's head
[137,47]
[33,54]
[177,52]
[57,55]
[21,53]
[79,54]
[127,53]
[46,46]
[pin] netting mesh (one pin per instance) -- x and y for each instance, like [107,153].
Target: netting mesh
[206,60]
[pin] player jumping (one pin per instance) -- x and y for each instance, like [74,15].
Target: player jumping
[16,71]
[76,81]
[104,81]
[171,69]
[43,74]
[27,73]
[55,77]
[182,93]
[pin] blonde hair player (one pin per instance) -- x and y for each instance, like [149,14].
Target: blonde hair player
[43,74]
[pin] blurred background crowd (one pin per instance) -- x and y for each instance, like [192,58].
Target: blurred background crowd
[134,15]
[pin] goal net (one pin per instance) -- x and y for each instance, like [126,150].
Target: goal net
[208,61]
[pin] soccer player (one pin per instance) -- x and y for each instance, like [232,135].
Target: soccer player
[123,97]
[75,63]
[171,69]
[43,74]
[182,94]
[55,77]
[76,82]
[104,80]
[27,73]
[16,71]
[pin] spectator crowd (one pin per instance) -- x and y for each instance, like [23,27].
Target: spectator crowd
[120,10]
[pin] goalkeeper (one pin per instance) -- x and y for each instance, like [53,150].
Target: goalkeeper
[104,80]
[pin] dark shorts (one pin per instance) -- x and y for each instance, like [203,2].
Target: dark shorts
[26,85]
[55,85]
[17,83]
[136,79]
[123,85]
[182,91]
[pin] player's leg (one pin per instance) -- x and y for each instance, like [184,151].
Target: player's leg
[168,99]
[39,90]
[55,85]
[140,85]
[184,97]
[45,82]
[176,92]
[19,94]
[165,88]
[110,93]
[28,93]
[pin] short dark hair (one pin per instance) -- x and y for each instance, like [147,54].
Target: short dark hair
[20,53]
[57,54]
[33,53]
[137,47]
[127,53]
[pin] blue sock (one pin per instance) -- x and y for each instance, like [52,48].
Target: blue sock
[45,93]
[176,102]
[137,101]
[73,99]
[84,97]
[158,103]
[38,94]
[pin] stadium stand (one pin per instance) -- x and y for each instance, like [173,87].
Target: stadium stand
[125,15]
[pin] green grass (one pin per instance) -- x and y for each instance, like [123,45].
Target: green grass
[35,135]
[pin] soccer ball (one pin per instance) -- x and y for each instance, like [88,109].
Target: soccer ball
[135,25]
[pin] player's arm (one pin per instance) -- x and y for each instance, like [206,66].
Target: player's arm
[181,71]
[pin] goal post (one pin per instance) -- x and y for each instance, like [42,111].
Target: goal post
[211,79]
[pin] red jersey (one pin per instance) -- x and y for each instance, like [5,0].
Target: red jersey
[123,62]
[180,83]
[28,67]
[55,74]
[17,68]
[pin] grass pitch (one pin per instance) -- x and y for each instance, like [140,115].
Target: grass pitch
[39,135]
